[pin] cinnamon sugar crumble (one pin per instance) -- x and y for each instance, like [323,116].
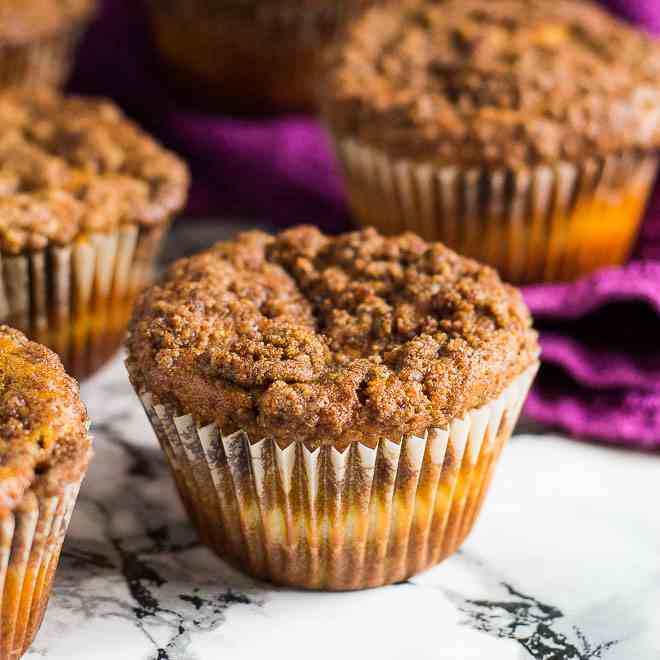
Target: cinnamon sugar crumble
[329,340]
[69,166]
[498,82]
[43,424]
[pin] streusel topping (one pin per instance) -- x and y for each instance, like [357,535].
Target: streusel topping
[329,339]
[72,165]
[43,424]
[496,82]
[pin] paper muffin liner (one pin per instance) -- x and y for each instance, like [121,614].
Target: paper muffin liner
[547,223]
[271,63]
[31,539]
[337,520]
[45,62]
[78,299]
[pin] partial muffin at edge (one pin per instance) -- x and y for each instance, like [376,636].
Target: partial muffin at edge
[44,453]
[85,199]
[71,166]
[44,441]
[23,21]
[38,40]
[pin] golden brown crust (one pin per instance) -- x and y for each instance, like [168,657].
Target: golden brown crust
[22,21]
[72,165]
[504,83]
[44,444]
[329,340]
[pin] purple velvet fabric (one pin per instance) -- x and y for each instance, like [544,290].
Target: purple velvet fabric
[600,336]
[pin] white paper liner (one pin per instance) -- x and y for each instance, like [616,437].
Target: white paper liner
[540,224]
[31,539]
[78,299]
[326,519]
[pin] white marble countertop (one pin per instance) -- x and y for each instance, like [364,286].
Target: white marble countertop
[564,564]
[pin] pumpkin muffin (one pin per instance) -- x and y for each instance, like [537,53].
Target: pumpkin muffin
[332,408]
[38,40]
[248,56]
[44,453]
[85,197]
[523,133]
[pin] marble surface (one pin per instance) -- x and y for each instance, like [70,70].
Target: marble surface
[563,564]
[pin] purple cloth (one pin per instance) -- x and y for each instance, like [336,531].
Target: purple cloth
[601,353]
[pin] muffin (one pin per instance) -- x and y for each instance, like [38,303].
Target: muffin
[44,452]
[38,40]
[85,197]
[522,133]
[332,409]
[248,56]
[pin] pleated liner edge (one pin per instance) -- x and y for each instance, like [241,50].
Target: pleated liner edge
[31,540]
[332,520]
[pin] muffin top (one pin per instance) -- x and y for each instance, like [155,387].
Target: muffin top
[44,443]
[25,20]
[72,165]
[496,82]
[328,340]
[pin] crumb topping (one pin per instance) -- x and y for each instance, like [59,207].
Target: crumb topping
[497,82]
[43,423]
[329,340]
[70,165]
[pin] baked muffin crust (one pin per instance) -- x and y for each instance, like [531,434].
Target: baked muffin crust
[25,20]
[328,340]
[495,82]
[72,165]
[44,443]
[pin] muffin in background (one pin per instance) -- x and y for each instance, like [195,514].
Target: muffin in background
[85,198]
[38,40]
[523,133]
[332,409]
[44,451]
[248,56]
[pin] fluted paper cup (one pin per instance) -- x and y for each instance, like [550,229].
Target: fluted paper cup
[78,299]
[547,223]
[31,539]
[331,520]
